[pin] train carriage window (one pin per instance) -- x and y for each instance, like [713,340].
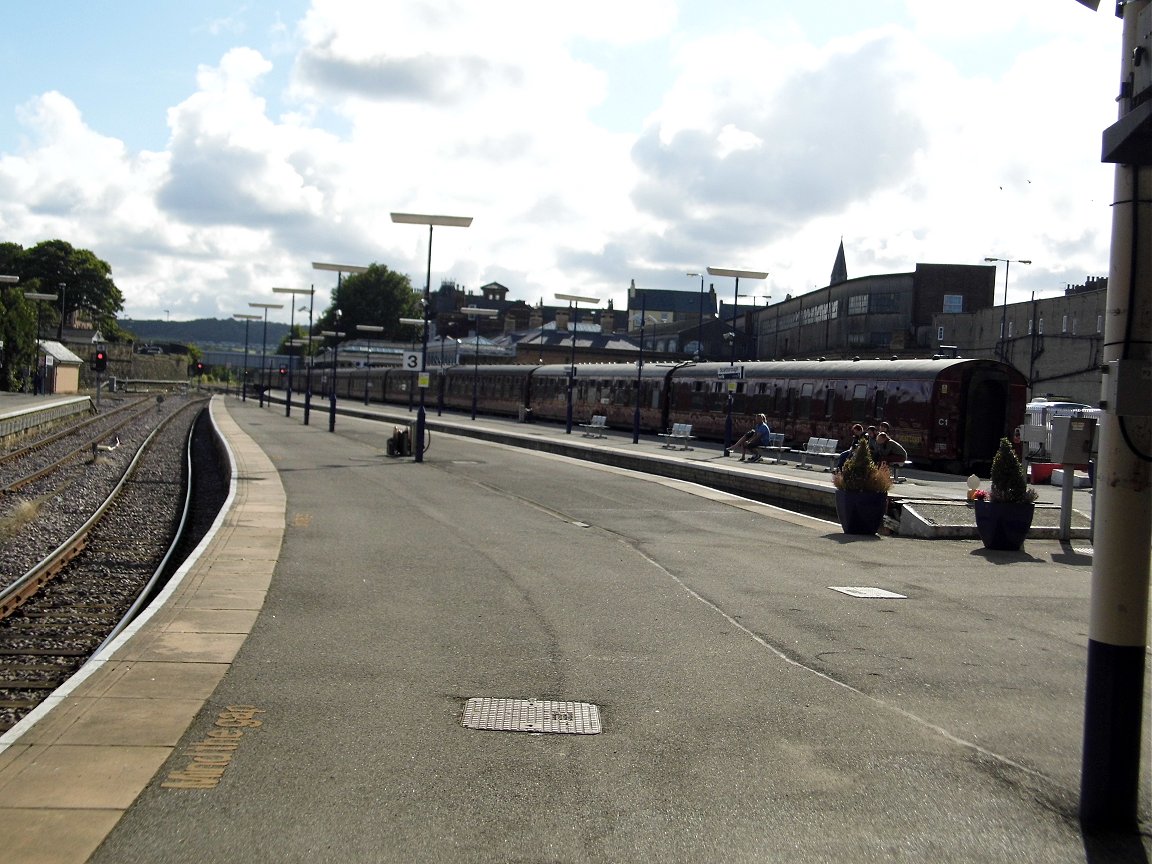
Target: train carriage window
[859,401]
[829,402]
[804,409]
[881,399]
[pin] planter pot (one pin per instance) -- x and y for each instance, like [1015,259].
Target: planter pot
[861,512]
[1004,525]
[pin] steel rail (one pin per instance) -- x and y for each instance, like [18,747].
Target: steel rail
[16,594]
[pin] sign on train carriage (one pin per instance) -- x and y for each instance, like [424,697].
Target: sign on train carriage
[730,372]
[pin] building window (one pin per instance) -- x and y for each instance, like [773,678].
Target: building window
[858,304]
[1073,325]
[1010,328]
[1064,324]
[953,304]
[939,334]
[885,301]
[1099,323]
[1029,326]
[1040,326]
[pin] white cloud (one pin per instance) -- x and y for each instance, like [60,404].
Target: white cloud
[768,146]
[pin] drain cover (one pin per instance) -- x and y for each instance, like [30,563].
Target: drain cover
[532,715]
[869,592]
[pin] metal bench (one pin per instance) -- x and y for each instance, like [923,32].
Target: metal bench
[596,428]
[680,432]
[776,446]
[819,448]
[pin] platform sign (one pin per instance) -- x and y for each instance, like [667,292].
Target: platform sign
[730,372]
[411,361]
[423,379]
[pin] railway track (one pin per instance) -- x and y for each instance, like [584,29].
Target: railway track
[79,595]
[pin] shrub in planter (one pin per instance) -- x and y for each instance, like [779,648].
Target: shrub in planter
[1004,516]
[861,492]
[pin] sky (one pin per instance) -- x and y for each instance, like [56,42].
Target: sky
[211,151]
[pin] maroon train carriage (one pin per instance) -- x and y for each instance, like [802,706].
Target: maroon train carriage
[950,414]
[607,389]
[500,389]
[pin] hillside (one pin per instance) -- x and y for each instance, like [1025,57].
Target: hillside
[203,331]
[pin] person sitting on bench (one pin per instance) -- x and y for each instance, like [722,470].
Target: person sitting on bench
[754,440]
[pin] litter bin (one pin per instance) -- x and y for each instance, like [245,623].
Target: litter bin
[525,414]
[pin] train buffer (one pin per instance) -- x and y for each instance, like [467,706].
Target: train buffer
[680,432]
[597,427]
[819,448]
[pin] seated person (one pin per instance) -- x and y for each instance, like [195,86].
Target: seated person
[887,450]
[754,440]
[857,434]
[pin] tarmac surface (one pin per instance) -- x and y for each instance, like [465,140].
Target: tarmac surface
[299,696]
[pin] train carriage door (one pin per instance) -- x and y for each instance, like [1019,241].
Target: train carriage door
[985,419]
[859,403]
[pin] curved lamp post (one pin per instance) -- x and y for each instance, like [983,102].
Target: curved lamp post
[264,343]
[336,336]
[573,301]
[40,299]
[292,338]
[738,275]
[700,328]
[430,221]
[1008,262]
[476,313]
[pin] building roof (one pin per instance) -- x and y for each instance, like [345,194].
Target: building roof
[58,352]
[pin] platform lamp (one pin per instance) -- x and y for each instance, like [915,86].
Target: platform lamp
[431,222]
[247,319]
[1008,262]
[573,301]
[476,313]
[700,328]
[738,275]
[264,343]
[336,335]
[292,337]
[40,299]
[369,328]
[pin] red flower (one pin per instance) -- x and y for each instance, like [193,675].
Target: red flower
[979,495]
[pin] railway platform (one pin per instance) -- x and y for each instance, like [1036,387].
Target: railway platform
[297,695]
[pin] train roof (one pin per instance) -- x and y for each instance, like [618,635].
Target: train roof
[902,368]
[655,369]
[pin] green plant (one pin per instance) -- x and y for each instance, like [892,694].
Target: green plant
[861,474]
[1008,481]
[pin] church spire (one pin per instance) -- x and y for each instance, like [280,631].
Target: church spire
[840,268]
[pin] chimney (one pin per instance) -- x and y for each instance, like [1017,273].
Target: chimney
[607,320]
[562,319]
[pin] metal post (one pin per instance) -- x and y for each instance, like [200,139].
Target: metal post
[731,382]
[640,370]
[1118,616]
[311,356]
[264,343]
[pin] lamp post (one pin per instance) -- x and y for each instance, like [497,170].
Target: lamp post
[292,337]
[336,335]
[476,313]
[247,319]
[430,221]
[63,301]
[738,275]
[700,328]
[1008,262]
[264,343]
[639,365]
[368,328]
[573,300]
[40,298]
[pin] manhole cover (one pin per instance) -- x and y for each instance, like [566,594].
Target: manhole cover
[532,715]
[869,593]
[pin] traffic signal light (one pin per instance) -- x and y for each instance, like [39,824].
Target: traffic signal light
[199,368]
[99,361]
[283,371]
